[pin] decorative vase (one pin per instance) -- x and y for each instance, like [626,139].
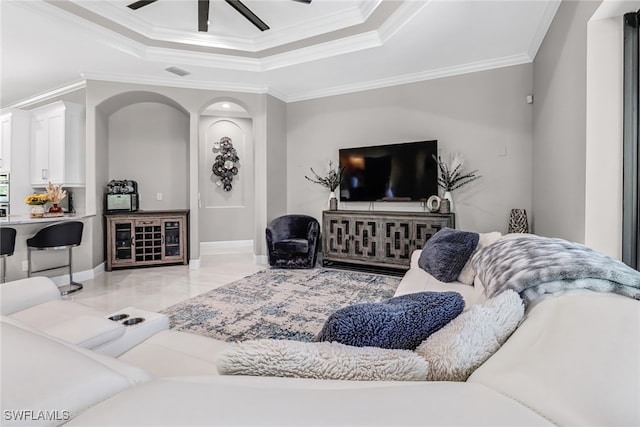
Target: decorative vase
[518,221]
[333,202]
[55,209]
[37,211]
[449,197]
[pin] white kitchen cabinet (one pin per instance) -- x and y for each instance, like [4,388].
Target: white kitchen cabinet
[14,138]
[58,145]
[15,128]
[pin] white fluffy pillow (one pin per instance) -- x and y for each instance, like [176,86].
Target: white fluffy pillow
[321,360]
[465,343]
[467,274]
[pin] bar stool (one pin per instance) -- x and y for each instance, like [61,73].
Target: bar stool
[7,246]
[63,235]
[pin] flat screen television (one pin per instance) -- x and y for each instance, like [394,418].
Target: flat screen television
[393,172]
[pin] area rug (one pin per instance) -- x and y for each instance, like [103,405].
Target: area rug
[281,304]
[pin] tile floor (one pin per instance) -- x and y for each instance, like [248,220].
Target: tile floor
[156,288]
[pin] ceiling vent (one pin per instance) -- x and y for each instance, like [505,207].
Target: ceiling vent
[178,71]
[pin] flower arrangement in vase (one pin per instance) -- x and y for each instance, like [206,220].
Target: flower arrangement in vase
[55,193]
[330,181]
[453,177]
[37,202]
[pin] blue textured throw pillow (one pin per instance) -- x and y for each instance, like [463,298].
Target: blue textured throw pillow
[446,252]
[402,322]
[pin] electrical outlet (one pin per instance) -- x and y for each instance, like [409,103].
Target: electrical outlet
[158,196]
[25,265]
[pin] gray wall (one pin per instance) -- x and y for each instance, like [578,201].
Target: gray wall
[484,116]
[276,158]
[149,143]
[559,124]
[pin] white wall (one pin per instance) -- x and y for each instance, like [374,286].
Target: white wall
[603,198]
[559,124]
[484,116]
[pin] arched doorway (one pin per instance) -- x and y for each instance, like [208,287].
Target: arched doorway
[226,195]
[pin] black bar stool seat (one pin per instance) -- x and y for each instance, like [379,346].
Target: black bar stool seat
[63,235]
[7,246]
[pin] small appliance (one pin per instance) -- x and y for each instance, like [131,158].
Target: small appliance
[121,196]
[4,211]
[4,187]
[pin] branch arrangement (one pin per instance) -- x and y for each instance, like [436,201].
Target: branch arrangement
[331,181]
[453,178]
[55,193]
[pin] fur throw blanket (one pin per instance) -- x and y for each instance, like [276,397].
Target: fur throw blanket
[534,266]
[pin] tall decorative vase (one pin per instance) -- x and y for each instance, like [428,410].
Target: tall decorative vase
[449,197]
[333,202]
[518,221]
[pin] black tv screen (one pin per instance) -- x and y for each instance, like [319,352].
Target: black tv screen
[394,172]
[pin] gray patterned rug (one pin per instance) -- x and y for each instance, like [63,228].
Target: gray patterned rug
[282,304]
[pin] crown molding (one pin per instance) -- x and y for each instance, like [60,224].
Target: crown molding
[412,78]
[198,59]
[50,94]
[400,18]
[175,82]
[261,89]
[547,18]
[322,51]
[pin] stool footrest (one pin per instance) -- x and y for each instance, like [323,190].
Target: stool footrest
[70,288]
[50,268]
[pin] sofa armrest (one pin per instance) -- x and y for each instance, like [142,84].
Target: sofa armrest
[21,294]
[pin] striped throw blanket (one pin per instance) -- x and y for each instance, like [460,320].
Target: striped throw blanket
[534,266]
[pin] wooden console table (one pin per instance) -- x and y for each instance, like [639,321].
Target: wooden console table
[144,238]
[378,239]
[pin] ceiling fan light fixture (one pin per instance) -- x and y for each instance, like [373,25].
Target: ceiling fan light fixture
[177,71]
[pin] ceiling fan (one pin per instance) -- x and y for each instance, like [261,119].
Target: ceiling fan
[203,12]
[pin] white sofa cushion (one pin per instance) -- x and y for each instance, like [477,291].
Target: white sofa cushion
[86,331]
[321,360]
[71,321]
[574,360]
[261,401]
[41,373]
[22,294]
[170,353]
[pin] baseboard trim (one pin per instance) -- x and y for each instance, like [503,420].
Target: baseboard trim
[79,276]
[228,244]
[194,264]
[261,259]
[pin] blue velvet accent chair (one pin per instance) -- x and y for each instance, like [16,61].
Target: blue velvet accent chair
[293,241]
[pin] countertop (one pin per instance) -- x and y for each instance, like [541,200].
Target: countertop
[26,219]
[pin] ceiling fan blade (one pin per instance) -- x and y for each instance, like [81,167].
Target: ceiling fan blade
[203,15]
[138,4]
[303,1]
[247,13]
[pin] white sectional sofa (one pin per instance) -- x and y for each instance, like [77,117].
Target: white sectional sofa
[573,361]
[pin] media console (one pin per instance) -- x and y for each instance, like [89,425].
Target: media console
[377,239]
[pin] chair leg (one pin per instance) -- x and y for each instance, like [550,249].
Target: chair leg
[28,262]
[73,286]
[3,278]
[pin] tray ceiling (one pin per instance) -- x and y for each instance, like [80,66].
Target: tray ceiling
[311,50]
